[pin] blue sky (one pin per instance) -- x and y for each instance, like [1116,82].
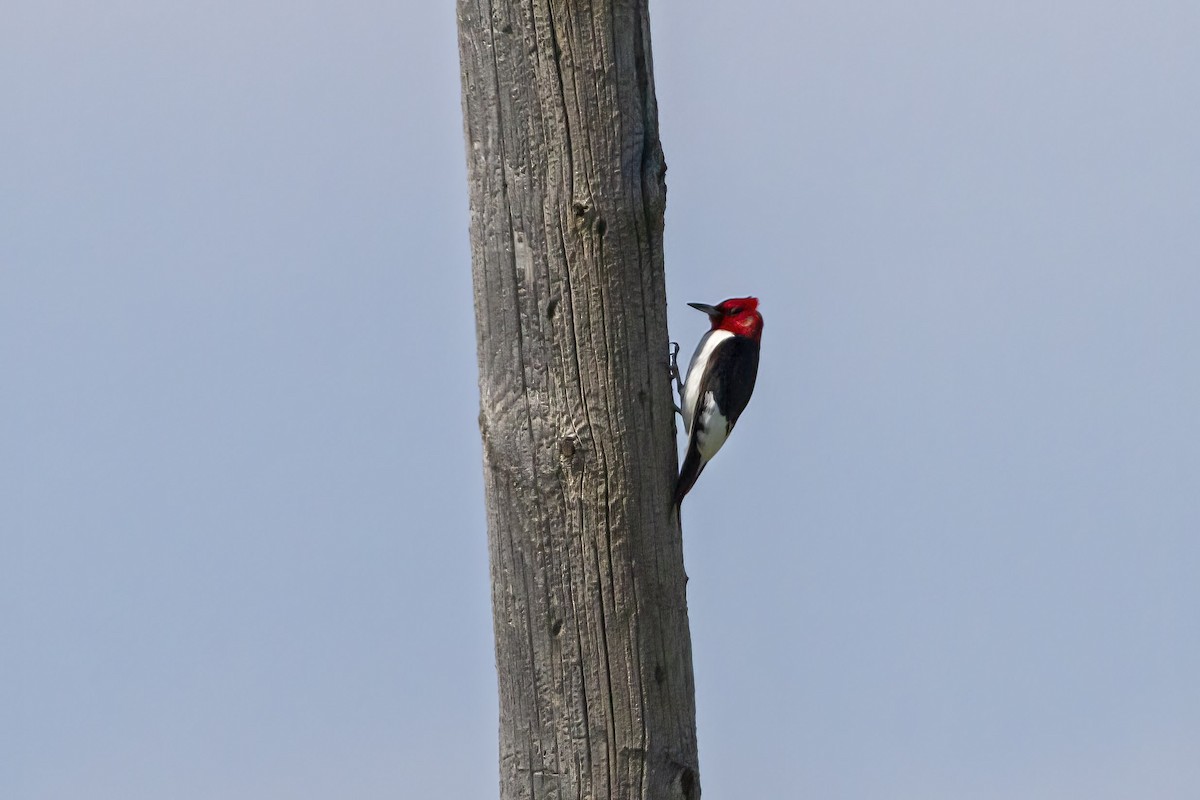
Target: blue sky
[951,552]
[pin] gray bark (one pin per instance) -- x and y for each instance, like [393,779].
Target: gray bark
[588,589]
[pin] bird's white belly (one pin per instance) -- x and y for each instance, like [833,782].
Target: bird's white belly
[691,387]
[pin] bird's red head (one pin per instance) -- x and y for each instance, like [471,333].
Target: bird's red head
[738,315]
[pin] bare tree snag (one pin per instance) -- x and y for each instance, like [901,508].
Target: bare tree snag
[588,589]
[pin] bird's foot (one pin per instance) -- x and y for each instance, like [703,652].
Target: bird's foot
[675,370]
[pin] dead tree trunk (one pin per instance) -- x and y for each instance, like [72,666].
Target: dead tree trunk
[566,180]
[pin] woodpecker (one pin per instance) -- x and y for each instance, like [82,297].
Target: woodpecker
[720,380]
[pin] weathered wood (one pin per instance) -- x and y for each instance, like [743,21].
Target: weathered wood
[567,195]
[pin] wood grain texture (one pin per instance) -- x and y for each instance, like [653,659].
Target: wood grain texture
[567,192]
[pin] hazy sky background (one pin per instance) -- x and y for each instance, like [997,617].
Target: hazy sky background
[952,552]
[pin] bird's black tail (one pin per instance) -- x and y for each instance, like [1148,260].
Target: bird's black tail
[692,467]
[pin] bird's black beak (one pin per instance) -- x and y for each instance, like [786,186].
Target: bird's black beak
[712,312]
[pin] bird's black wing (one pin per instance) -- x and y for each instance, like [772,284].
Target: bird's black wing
[736,358]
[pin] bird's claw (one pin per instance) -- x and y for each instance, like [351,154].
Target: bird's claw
[675,370]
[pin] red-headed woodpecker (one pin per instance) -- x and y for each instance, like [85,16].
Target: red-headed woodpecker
[720,379]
